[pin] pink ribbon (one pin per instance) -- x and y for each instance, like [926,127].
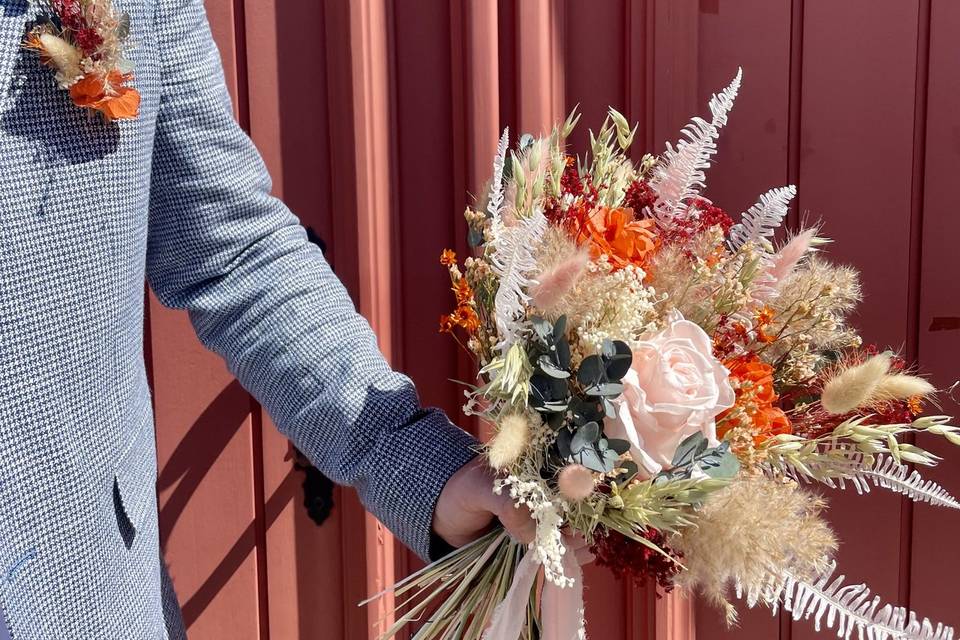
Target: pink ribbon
[561,607]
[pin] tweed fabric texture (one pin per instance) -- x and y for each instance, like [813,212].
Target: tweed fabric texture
[179,196]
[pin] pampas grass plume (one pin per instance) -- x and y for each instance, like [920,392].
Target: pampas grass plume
[855,386]
[790,255]
[747,533]
[575,482]
[556,281]
[509,442]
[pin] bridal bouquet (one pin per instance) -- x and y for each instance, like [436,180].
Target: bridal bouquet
[665,382]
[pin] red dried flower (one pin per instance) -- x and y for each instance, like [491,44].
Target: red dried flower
[570,182]
[706,216]
[639,195]
[629,559]
[70,13]
[88,40]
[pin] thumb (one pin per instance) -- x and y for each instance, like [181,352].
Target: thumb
[517,520]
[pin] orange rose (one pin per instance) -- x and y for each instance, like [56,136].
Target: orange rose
[617,234]
[110,96]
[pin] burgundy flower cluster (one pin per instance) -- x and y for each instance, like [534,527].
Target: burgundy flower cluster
[70,13]
[627,559]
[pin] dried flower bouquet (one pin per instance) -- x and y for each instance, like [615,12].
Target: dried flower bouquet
[665,382]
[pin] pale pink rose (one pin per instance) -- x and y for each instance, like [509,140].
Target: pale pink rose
[675,387]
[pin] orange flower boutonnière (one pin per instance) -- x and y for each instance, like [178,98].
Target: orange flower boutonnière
[83,41]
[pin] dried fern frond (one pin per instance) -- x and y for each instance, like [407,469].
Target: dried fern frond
[762,219]
[850,608]
[513,260]
[679,176]
[887,473]
[495,200]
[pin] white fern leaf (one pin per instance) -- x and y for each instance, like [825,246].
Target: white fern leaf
[514,262]
[679,175]
[887,473]
[849,607]
[762,219]
[495,201]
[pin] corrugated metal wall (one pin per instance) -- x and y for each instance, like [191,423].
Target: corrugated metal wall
[378,117]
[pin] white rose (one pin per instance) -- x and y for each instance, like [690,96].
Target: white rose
[675,387]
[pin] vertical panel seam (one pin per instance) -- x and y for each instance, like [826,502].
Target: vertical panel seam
[794,123]
[260,525]
[794,103]
[256,414]
[915,258]
[240,44]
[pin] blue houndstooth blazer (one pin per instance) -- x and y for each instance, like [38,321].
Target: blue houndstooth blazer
[88,209]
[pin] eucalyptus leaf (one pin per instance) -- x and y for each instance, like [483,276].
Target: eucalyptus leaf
[618,366]
[560,328]
[545,362]
[591,460]
[585,437]
[584,412]
[629,470]
[591,371]
[543,329]
[727,467]
[556,419]
[610,459]
[618,445]
[609,409]
[689,449]
[564,438]
[563,353]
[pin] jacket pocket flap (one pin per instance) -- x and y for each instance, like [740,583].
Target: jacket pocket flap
[136,475]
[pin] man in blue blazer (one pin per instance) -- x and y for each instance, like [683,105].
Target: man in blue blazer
[179,196]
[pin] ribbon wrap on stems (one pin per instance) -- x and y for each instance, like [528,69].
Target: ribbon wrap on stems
[561,608]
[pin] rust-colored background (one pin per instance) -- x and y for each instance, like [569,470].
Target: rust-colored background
[378,117]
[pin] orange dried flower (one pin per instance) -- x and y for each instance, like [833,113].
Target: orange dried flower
[756,397]
[448,258]
[915,405]
[764,318]
[617,234]
[109,95]
[465,315]
[463,292]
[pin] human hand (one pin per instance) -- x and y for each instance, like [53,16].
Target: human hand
[467,508]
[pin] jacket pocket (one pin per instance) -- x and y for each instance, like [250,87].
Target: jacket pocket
[135,476]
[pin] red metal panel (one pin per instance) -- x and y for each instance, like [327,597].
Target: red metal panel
[426,203]
[859,66]
[303,581]
[751,156]
[935,531]
[594,68]
[205,449]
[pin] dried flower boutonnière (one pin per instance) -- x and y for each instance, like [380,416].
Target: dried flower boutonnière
[83,41]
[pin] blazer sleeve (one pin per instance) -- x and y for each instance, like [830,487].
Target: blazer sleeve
[263,297]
